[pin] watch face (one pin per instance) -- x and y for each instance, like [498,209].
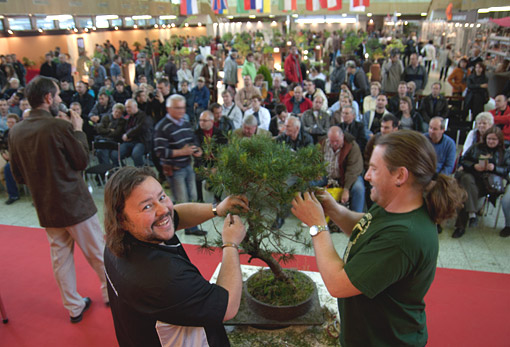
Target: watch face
[314,230]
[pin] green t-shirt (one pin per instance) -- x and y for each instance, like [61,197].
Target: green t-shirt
[391,258]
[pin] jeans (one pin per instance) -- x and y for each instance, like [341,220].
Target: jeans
[357,195]
[104,156]
[505,205]
[135,149]
[12,187]
[183,185]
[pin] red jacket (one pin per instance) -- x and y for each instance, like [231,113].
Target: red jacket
[292,69]
[503,118]
[306,104]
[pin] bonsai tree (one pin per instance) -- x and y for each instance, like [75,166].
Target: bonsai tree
[269,174]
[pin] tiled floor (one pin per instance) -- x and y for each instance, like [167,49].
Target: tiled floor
[480,249]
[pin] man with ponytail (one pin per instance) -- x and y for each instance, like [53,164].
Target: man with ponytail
[390,261]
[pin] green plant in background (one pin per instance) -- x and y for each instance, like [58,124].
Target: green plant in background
[351,43]
[263,170]
[242,42]
[27,62]
[374,49]
[227,38]
[203,41]
[264,70]
[278,38]
[137,46]
[395,43]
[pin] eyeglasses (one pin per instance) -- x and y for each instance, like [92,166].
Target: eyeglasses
[179,108]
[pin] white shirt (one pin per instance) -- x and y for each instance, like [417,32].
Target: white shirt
[233,113]
[264,117]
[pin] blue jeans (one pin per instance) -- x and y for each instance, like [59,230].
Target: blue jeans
[12,187]
[134,149]
[183,185]
[104,156]
[357,195]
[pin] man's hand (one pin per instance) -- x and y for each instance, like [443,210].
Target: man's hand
[125,138]
[308,209]
[76,121]
[490,167]
[198,152]
[187,150]
[95,119]
[326,199]
[159,96]
[233,230]
[233,204]
[345,196]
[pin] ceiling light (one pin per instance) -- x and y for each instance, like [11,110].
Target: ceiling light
[135,26]
[252,16]
[116,28]
[156,26]
[398,14]
[186,25]
[10,32]
[423,14]
[230,17]
[107,17]
[144,16]
[295,15]
[369,14]
[60,17]
[199,24]
[40,30]
[171,16]
[75,30]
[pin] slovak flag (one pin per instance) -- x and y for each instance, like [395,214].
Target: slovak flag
[359,5]
[219,6]
[189,7]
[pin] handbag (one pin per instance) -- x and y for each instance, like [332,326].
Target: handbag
[493,184]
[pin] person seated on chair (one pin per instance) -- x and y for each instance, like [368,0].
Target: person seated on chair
[250,128]
[483,122]
[277,124]
[502,116]
[345,167]
[294,135]
[259,112]
[394,102]
[481,159]
[409,118]
[316,120]
[111,128]
[137,137]
[443,145]
[102,107]
[298,104]
[372,119]
[201,96]
[434,104]
[5,167]
[121,94]
[312,91]
[351,126]
[230,110]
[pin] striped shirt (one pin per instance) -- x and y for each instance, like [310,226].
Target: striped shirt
[169,135]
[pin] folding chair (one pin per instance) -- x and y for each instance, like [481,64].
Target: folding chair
[103,170]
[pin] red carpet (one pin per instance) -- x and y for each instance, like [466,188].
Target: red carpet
[465,308]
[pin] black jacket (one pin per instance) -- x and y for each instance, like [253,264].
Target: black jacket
[428,109]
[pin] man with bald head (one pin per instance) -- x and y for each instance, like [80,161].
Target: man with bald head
[250,128]
[298,103]
[345,167]
[137,138]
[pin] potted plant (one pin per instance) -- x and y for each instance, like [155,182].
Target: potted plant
[269,174]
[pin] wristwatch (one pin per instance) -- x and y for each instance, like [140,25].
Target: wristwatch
[316,229]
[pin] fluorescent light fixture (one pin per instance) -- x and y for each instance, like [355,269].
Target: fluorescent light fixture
[273,23]
[466,25]
[483,10]
[499,9]
[94,28]
[252,16]
[60,17]
[40,30]
[2,17]
[135,26]
[199,24]
[423,14]
[86,30]
[471,25]
[289,43]
[272,16]
[171,16]
[344,14]
[10,32]
[478,25]
[406,22]
[116,28]
[186,25]
[371,21]
[107,17]
[369,14]
[295,15]
[163,26]
[144,16]
[156,26]
[230,17]
[276,50]
[172,25]
[398,14]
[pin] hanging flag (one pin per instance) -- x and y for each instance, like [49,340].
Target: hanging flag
[334,5]
[219,6]
[240,7]
[189,7]
[287,5]
[266,6]
[359,5]
[313,5]
[250,4]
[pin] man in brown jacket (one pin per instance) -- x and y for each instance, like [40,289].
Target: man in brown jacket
[345,166]
[49,155]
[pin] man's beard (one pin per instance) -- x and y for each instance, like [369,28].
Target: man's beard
[54,109]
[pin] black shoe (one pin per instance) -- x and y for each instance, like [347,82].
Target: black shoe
[79,317]
[473,222]
[11,200]
[196,232]
[278,223]
[505,232]
[458,232]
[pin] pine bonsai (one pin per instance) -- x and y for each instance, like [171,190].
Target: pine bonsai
[269,174]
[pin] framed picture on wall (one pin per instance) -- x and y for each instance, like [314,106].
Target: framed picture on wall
[81,44]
